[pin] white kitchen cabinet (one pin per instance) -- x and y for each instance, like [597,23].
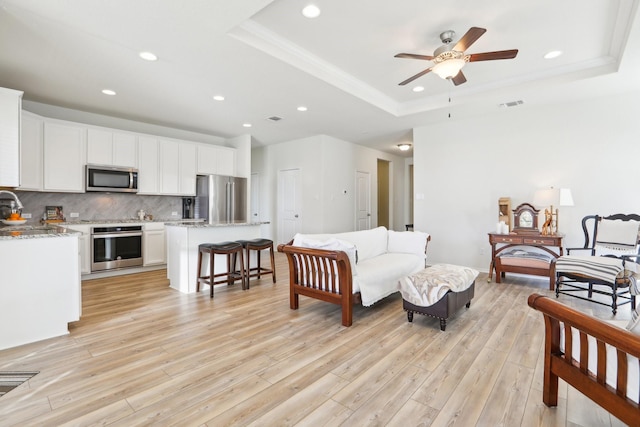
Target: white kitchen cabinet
[64,157]
[106,147]
[226,161]
[169,167]
[216,160]
[31,153]
[187,169]
[84,248]
[148,165]
[10,108]
[177,167]
[153,244]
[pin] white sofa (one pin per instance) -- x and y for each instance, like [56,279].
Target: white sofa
[363,266]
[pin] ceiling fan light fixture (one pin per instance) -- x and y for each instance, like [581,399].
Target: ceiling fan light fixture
[449,69]
[404,147]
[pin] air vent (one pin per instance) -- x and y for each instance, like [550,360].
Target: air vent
[511,104]
[274,118]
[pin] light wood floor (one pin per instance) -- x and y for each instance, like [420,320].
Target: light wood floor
[144,354]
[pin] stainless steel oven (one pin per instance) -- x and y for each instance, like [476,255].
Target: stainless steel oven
[116,247]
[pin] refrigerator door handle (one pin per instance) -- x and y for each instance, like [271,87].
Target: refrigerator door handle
[230,201]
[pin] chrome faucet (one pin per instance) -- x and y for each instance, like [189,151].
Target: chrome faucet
[18,203]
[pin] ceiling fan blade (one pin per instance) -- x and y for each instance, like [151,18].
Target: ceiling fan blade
[459,78]
[412,78]
[469,38]
[490,56]
[413,56]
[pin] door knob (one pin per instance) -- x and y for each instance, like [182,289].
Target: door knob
[295,216]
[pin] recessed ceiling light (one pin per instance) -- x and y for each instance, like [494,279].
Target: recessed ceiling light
[247,125]
[418,89]
[109,92]
[148,56]
[311,11]
[218,97]
[552,54]
[302,108]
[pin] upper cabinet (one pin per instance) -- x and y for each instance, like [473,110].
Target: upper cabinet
[10,108]
[106,147]
[177,167]
[148,166]
[31,153]
[54,154]
[213,160]
[64,156]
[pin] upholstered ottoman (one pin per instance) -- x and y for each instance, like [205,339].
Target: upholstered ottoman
[438,291]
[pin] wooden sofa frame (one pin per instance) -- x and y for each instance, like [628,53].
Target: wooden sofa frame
[558,364]
[329,277]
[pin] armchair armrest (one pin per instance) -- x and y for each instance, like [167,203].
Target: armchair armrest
[592,250]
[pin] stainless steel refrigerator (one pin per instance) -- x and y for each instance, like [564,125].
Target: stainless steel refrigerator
[221,199]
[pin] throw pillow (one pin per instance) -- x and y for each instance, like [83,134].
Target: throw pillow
[332,244]
[407,242]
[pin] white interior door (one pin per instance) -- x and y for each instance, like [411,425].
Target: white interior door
[363,201]
[289,204]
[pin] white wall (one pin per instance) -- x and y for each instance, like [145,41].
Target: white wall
[328,167]
[463,167]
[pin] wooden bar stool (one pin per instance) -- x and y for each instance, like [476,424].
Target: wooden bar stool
[258,245]
[231,275]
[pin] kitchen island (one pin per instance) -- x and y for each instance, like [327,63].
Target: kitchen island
[182,248]
[40,290]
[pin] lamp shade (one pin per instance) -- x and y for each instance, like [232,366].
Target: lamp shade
[566,199]
[546,197]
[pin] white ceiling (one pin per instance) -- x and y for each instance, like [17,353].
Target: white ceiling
[267,59]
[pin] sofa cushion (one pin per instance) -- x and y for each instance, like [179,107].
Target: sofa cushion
[634,323]
[378,277]
[368,243]
[407,242]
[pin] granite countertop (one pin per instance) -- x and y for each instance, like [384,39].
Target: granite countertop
[13,232]
[218,224]
[27,231]
[129,221]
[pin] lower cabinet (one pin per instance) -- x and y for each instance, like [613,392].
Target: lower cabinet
[153,244]
[84,247]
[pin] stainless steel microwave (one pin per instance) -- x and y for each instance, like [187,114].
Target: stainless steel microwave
[112,179]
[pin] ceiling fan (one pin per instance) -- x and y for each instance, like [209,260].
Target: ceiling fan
[448,60]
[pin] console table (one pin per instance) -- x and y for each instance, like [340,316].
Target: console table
[551,244]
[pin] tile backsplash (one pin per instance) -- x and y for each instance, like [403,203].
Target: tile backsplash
[92,206]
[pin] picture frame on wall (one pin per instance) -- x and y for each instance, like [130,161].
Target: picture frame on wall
[54,213]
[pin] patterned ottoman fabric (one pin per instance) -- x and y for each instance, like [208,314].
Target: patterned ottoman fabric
[428,286]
